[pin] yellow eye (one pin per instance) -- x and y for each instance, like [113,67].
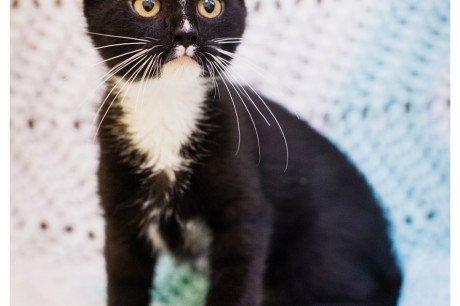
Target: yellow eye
[209,8]
[147,8]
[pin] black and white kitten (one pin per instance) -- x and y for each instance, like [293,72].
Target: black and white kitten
[170,181]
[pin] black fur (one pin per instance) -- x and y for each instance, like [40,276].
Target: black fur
[311,235]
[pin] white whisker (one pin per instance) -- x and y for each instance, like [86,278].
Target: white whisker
[213,78]
[236,112]
[124,44]
[109,59]
[273,116]
[236,40]
[117,36]
[131,81]
[214,69]
[115,70]
[150,61]
[239,56]
[130,52]
[277,123]
[227,38]
[146,73]
[224,71]
[155,68]
[216,58]
[113,88]
[211,74]
[110,74]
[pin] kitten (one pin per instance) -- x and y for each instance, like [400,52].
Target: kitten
[180,172]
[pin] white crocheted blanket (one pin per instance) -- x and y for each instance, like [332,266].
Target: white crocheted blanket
[371,75]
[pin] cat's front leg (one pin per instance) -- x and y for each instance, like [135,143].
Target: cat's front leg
[129,263]
[237,262]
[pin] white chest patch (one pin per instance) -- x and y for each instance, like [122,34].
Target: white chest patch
[161,114]
[197,240]
[197,237]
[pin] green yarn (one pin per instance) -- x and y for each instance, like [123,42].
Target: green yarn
[177,285]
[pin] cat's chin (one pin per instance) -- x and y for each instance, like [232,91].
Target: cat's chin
[184,60]
[182,67]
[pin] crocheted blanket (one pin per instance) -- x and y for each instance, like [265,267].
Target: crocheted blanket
[372,76]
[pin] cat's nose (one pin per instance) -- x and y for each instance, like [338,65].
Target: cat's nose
[186,35]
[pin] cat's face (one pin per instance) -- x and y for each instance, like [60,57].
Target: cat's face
[143,35]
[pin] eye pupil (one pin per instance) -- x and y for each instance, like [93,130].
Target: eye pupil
[209,6]
[148,5]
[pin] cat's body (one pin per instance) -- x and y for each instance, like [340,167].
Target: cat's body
[179,174]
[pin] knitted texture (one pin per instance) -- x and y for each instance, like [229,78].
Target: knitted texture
[372,76]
